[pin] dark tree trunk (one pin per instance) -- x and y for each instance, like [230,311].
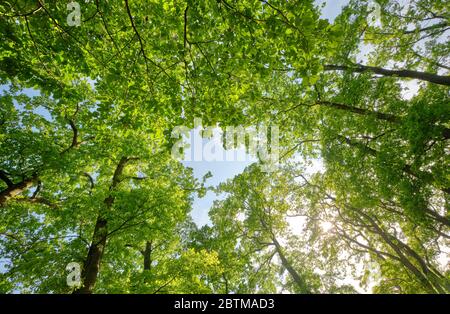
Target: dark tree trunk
[92,264]
[16,189]
[147,255]
[378,115]
[424,76]
[402,251]
[427,177]
[294,274]
[442,219]
[94,257]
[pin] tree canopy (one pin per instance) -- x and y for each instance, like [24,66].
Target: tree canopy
[87,174]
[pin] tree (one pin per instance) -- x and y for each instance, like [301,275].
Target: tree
[86,174]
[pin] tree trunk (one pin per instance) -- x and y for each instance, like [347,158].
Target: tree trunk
[147,255]
[424,278]
[93,260]
[91,266]
[16,189]
[294,274]
[435,216]
[427,177]
[378,115]
[424,76]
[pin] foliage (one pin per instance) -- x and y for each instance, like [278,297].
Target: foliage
[87,176]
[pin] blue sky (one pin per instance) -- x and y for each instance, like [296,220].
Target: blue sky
[223,170]
[332,8]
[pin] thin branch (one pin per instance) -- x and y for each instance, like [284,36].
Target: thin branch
[75,142]
[37,9]
[141,43]
[91,181]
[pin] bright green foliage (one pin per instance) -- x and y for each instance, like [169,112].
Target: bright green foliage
[87,176]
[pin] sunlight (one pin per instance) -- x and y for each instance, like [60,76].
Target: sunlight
[326,226]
